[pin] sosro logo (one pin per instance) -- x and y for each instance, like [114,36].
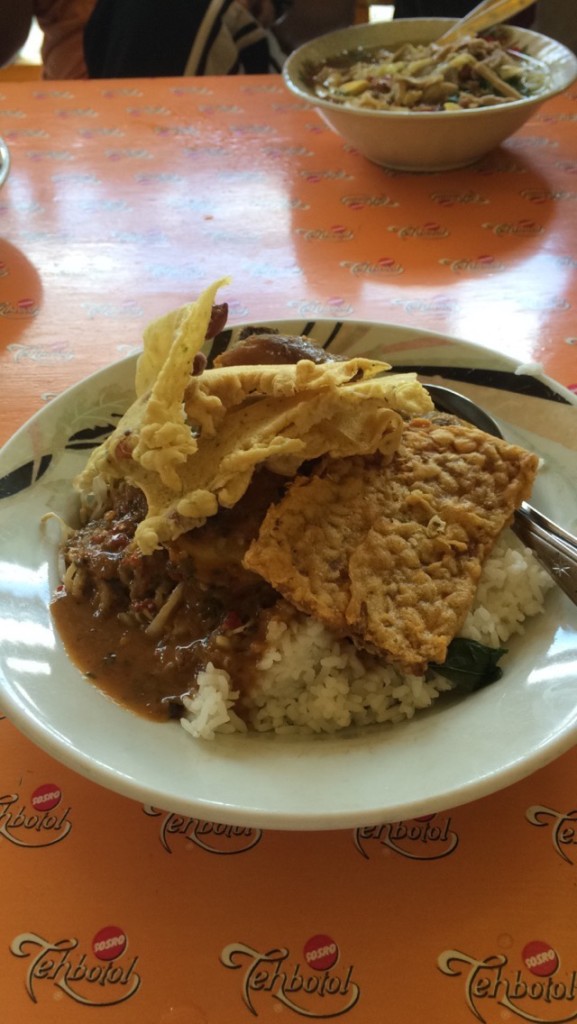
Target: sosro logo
[91,982]
[532,994]
[313,988]
[420,839]
[41,826]
[214,838]
[563,827]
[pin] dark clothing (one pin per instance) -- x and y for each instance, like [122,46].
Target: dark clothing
[147,38]
[451,9]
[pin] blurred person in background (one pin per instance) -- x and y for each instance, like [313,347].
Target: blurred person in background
[556,18]
[452,9]
[297,21]
[62,23]
[122,38]
[146,38]
[139,38]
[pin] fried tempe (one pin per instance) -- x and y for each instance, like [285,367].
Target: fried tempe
[390,554]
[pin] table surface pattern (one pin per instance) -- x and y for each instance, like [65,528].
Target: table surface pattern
[123,200]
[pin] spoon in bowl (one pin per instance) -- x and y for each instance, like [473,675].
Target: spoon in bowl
[484,15]
[555,548]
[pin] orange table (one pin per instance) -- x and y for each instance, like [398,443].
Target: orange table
[124,199]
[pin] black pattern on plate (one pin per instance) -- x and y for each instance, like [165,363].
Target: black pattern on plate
[502,380]
[23,476]
[29,473]
[91,437]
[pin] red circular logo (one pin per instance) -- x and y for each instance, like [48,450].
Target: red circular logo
[540,958]
[46,797]
[109,943]
[321,952]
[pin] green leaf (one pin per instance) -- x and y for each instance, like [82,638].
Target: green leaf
[470,665]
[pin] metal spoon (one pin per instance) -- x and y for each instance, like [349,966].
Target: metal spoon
[555,547]
[4,161]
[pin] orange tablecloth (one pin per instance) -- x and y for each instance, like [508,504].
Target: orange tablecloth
[124,199]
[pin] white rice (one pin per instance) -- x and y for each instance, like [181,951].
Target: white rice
[310,682]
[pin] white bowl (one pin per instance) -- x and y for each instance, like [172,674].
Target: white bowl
[411,140]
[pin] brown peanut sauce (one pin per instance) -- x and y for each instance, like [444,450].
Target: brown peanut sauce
[223,609]
[220,618]
[146,674]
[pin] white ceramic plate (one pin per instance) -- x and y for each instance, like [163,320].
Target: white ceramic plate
[464,748]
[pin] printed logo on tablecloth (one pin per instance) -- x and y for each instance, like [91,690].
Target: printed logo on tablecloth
[426,838]
[486,264]
[386,265]
[545,195]
[122,90]
[459,198]
[52,353]
[337,233]
[525,228]
[499,162]
[361,202]
[313,982]
[334,307]
[97,975]
[527,987]
[563,825]
[208,835]
[278,150]
[52,94]
[314,177]
[40,821]
[430,230]
[71,112]
[438,307]
[22,309]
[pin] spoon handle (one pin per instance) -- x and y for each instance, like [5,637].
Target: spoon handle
[555,549]
[484,15]
[4,161]
[532,516]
